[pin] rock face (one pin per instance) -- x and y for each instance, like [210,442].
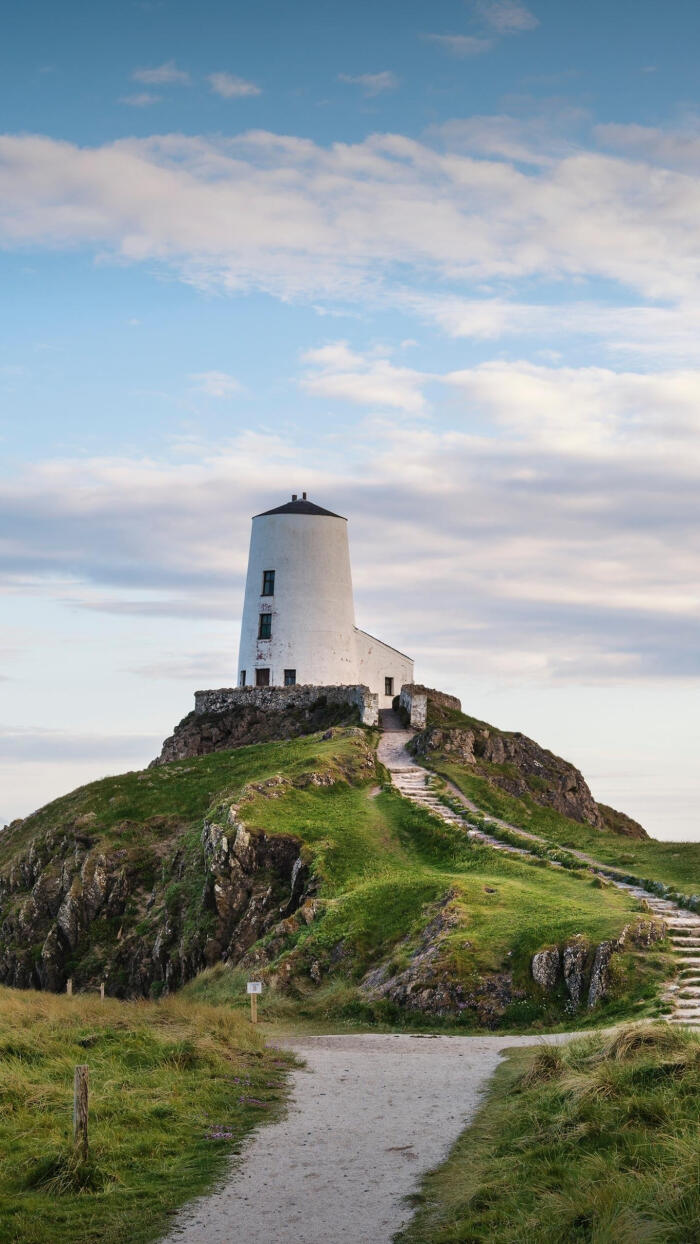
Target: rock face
[574,958]
[143,922]
[546,968]
[231,723]
[587,973]
[429,985]
[521,767]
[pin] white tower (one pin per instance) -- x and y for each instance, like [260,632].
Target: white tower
[298,621]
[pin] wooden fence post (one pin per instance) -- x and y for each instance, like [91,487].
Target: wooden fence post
[69,986]
[102,990]
[80,1110]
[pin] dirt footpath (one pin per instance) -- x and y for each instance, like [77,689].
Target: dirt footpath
[368,1116]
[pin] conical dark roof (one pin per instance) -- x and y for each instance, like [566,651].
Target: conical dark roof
[300,507]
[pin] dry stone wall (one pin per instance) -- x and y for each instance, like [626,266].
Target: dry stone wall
[279,699]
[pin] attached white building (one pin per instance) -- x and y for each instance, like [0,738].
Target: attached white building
[298,621]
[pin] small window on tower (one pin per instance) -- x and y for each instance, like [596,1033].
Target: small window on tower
[241,680]
[388,686]
[262,678]
[268,583]
[290,678]
[265,626]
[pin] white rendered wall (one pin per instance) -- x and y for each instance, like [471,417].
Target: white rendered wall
[377,661]
[313,618]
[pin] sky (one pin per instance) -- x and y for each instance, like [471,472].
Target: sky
[436,264]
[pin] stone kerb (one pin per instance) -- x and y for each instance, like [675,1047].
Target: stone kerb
[277,699]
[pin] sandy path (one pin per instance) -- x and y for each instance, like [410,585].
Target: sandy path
[369,1115]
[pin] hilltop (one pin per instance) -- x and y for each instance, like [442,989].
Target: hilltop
[292,858]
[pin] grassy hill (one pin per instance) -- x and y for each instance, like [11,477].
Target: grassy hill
[294,860]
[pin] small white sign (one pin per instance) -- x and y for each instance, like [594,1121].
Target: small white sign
[254,986]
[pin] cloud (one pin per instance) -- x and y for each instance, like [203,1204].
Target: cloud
[160,75]
[142,100]
[461,45]
[215,383]
[372,83]
[658,335]
[230,87]
[558,514]
[337,372]
[506,17]
[290,217]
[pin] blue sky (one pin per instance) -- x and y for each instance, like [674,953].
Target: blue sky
[437,264]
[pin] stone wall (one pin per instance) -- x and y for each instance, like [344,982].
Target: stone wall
[277,699]
[414,702]
[415,698]
[438,697]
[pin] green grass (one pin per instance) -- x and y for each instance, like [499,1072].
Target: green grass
[384,865]
[165,1080]
[593,1142]
[151,804]
[674,863]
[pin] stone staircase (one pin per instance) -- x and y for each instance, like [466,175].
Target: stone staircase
[684,993]
[414,783]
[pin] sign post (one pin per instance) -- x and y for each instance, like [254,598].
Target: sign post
[254,988]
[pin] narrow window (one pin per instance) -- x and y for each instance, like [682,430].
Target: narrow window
[290,678]
[262,678]
[265,627]
[388,686]
[241,680]
[268,583]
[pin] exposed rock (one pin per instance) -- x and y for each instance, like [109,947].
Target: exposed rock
[575,958]
[642,933]
[600,973]
[546,967]
[204,907]
[228,723]
[430,983]
[517,765]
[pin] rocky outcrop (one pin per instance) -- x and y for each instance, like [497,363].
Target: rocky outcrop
[242,723]
[430,984]
[574,961]
[546,968]
[586,972]
[143,921]
[620,823]
[518,766]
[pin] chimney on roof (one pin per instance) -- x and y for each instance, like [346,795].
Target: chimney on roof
[294,496]
[303,496]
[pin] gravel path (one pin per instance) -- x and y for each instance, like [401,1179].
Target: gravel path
[368,1116]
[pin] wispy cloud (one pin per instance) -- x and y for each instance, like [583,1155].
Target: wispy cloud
[337,372]
[141,99]
[215,383]
[372,83]
[506,17]
[461,45]
[160,75]
[230,87]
